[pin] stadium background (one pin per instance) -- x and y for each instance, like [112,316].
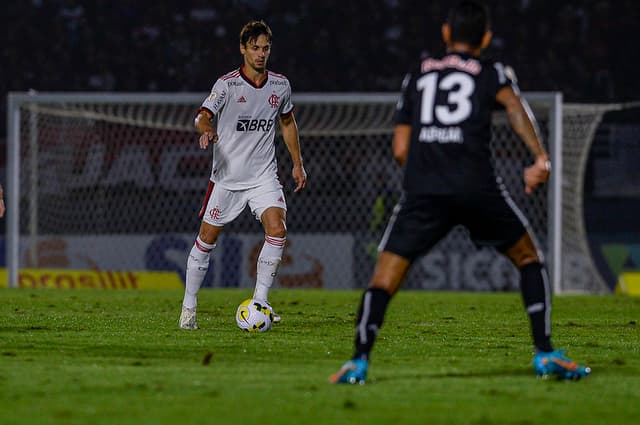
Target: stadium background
[576,47]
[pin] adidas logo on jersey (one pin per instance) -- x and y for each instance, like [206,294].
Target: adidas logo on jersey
[242,100]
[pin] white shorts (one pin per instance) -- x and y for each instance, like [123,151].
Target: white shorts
[222,206]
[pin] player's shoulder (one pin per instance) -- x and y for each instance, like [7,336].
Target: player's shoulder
[230,80]
[414,70]
[276,75]
[276,79]
[500,67]
[230,75]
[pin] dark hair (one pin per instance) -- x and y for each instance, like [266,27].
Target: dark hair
[253,30]
[469,20]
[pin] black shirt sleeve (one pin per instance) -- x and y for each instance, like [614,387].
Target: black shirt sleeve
[405,103]
[505,77]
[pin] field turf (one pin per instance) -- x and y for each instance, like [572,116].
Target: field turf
[107,357]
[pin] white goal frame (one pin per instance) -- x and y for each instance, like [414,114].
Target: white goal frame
[18,100]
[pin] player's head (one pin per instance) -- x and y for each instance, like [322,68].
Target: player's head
[255,44]
[468,23]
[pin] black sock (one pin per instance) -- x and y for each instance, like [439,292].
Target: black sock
[534,284]
[370,316]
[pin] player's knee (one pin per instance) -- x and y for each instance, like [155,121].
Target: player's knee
[523,252]
[276,229]
[274,222]
[525,260]
[278,232]
[208,238]
[389,272]
[209,234]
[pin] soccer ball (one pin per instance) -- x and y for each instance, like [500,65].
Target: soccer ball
[254,316]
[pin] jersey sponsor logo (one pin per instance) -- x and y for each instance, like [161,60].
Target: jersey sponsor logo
[242,100]
[471,66]
[274,100]
[441,135]
[277,83]
[234,83]
[254,125]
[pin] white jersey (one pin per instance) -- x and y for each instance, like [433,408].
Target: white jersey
[245,156]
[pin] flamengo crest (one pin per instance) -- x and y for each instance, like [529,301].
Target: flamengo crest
[274,100]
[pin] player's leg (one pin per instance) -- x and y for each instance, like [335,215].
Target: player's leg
[536,294]
[270,208]
[275,238]
[388,275]
[494,219]
[219,208]
[534,286]
[387,278]
[197,267]
[416,225]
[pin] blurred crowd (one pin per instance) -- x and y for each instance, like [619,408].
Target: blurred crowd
[579,47]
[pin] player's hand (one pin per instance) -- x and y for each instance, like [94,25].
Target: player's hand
[2,209]
[206,137]
[299,176]
[536,174]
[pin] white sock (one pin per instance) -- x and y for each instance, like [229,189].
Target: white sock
[197,266]
[268,264]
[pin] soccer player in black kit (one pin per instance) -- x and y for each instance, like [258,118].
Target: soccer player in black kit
[441,137]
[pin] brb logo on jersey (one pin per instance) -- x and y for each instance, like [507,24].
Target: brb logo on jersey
[274,100]
[254,125]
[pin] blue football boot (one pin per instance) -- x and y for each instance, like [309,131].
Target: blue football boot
[353,372]
[556,363]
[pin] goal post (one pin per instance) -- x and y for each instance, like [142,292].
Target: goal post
[112,181]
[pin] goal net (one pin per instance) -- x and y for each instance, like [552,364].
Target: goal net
[114,182]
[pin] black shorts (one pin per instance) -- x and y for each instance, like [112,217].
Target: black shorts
[421,221]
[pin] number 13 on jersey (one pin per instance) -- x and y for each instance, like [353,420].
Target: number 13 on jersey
[458,88]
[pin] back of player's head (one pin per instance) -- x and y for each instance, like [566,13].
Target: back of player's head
[469,20]
[253,30]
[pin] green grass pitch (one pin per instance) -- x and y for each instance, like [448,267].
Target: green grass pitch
[107,357]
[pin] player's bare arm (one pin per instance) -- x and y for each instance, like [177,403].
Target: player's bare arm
[400,145]
[205,128]
[289,129]
[524,124]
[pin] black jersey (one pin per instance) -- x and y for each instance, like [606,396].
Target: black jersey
[448,101]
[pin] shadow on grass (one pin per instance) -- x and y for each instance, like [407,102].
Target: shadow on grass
[445,375]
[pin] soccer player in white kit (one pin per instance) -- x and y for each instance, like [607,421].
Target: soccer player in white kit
[239,117]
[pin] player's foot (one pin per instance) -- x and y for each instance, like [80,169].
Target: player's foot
[188,318]
[352,372]
[556,363]
[275,317]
